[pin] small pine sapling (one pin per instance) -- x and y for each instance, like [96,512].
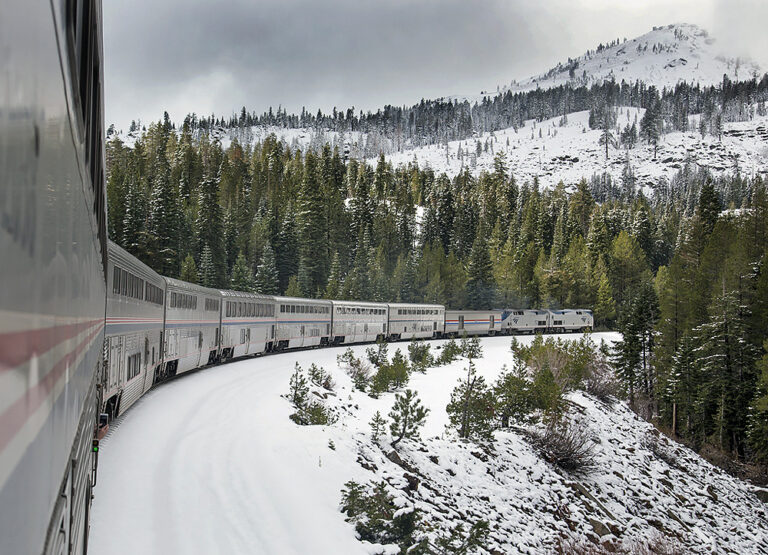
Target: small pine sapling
[418,353]
[408,415]
[299,390]
[471,409]
[378,427]
[451,351]
[470,348]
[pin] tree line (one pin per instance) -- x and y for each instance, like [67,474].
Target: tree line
[681,274]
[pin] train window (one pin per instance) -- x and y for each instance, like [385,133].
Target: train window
[293,309]
[282,308]
[558,322]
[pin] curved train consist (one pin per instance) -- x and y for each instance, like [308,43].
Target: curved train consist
[160,327]
[85,328]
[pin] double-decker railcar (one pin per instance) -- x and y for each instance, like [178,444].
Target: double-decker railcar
[53,248]
[247,324]
[359,322]
[473,322]
[192,323]
[420,321]
[526,321]
[570,320]
[134,330]
[302,322]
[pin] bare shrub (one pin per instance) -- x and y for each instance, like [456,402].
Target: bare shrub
[601,381]
[568,446]
[356,368]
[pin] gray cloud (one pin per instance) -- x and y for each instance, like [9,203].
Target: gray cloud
[203,56]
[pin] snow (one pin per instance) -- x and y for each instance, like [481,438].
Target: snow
[211,463]
[571,151]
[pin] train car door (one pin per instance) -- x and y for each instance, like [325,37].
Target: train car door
[461,322]
[115,361]
[491,321]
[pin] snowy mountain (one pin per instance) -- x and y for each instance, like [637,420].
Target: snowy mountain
[663,57]
[227,471]
[538,140]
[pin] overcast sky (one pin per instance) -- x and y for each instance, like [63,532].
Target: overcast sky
[216,56]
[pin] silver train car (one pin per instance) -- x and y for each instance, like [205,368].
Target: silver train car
[192,327]
[247,324]
[473,322]
[134,329]
[302,322]
[415,321]
[54,250]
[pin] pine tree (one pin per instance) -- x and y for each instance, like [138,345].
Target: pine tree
[378,427]
[266,280]
[208,274]
[758,414]
[189,270]
[471,409]
[162,232]
[242,276]
[335,281]
[480,290]
[210,232]
[726,358]
[408,415]
[650,125]
[293,289]
[313,235]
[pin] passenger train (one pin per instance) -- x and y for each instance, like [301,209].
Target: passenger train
[160,327]
[85,328]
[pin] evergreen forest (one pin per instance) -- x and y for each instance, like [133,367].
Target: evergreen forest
[683,274]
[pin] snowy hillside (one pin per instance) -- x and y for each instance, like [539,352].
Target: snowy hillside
[211,463]
[555,150]
[663,57]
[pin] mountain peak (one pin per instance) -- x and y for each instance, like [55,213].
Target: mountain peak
[664,57]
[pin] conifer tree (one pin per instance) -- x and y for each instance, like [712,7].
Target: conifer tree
[208,274]
[480,290]
[210,232]
[471,409]
[335,281]
[266,280]
[242,276]
[189,270]
[407,415]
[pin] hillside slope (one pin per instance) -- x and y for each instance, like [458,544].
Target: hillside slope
[211,463]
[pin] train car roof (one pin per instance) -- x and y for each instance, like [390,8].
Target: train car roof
[360,303]
[245,294]
[301,300]
[191,286]
[404,305]
[127,259]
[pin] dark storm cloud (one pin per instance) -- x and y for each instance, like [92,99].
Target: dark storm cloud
[204,56]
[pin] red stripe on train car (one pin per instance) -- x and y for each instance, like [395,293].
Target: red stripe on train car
[16,416]
[19,346]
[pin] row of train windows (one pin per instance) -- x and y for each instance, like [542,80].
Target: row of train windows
[417,311]
[182,300]
[249,310]
[128,285]
[134,366]
[304,309]
[359,310]
[212,305]
[518,312]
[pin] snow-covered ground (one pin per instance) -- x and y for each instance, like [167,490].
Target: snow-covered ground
[211,463]
[569,151]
